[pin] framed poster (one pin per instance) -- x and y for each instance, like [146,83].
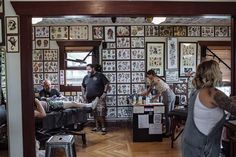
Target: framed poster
[151,31]
[172,54]
[42,43]
[50,66]
[155,57]
[123,65]
[137,54]
[194,31]
[112,91]
[53,77]
[78,33]
[123,54]
[123,42]
[180,31]
[207,31]
[42,32]
[122,31]
[221,31]
[109,65]
[137,31]
[172,75]
[166,31]
[12,43]
[123,77]
[108,54]
[110,34]
[51,55]
[38,78]
[123,88]
[137,42]
[138,77]
[37,55]
[122,101]
[138,65]
[12,25]
[111,77]
[188,58]
[138,88]
[59,32]
[97,32]
[38,67]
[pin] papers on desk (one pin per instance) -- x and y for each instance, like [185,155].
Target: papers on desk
[232,122]
[138,109]
[157,118]
[155,129]
[143,121]
[159,109]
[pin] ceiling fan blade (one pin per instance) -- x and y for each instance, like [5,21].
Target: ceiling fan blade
[76,60]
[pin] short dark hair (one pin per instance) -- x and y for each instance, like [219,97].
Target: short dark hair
[90,65]
[98,67]
[151,72]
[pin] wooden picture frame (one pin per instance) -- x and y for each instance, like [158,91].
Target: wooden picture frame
[42,43]
[110,34]
[12,25]
[172,53]
[12,43]
[156,57]
[78,32]
[98,32]
[187,58]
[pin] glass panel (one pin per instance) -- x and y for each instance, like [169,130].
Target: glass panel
[75,77]
[78,55]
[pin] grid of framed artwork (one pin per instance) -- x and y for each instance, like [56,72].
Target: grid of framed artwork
[45,66]
[12,34]
[124,65]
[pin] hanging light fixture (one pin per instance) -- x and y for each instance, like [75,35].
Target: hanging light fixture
[158,20]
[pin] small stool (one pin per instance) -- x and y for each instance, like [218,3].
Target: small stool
[61,141]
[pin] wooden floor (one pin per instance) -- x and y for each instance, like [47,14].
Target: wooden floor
[118,143]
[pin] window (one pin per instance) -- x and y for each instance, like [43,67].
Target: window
[75,70]
[74,57]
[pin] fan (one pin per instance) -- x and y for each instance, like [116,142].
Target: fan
[81,61]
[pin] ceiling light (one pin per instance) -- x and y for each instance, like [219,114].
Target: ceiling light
[158,20]
[36,20]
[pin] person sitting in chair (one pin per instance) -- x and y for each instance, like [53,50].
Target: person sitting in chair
[48,91]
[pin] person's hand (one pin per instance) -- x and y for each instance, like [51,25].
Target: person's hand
[103,95]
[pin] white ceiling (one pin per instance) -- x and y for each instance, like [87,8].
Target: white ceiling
[75,20]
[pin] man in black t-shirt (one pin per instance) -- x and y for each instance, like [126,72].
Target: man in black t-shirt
[48,91]
[95,84]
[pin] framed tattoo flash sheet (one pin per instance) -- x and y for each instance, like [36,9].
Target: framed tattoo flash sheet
[50,66]
[123,77]
[123,65]
[111,77]
[172,53]
[37,55]
[221,31]
[37,66]
[12,43]
[155,57]
[151,31]
[124,112]
[122,100]
[138,65]
[123,88]
[123,42]
[122,31]
[137,30]
[38,78]
[137,42]
[111,100]
[207,31]
[138,77]
[108,54]
[42,32]
[59,32]
[78,33]
[138,88]
[53,77]
[123,54]
[113,90]
[98,32]
[188,58]
[109,65]
[110,34]
[166,31]
[111,112]
[12,25]
[172,75]
[180,31]
[137,54]
[42,43]
[51,55]
[194,31]
[111,45]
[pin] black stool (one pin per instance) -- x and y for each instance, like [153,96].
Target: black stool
[61,141]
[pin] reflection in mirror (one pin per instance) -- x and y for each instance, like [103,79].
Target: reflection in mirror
[3,106]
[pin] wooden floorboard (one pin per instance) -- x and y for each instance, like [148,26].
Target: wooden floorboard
[118,143]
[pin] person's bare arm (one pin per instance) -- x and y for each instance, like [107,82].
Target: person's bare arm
[39,112]
[223,101]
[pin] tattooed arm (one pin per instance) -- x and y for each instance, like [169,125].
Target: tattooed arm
[223,101]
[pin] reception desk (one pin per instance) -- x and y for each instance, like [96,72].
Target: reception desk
[147,122]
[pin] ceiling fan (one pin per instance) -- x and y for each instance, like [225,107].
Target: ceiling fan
[81,61]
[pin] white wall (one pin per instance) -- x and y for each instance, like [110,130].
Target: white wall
[14,97]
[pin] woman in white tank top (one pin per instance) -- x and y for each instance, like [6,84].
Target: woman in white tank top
[163,90]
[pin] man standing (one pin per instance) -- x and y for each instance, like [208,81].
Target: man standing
[95,84]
